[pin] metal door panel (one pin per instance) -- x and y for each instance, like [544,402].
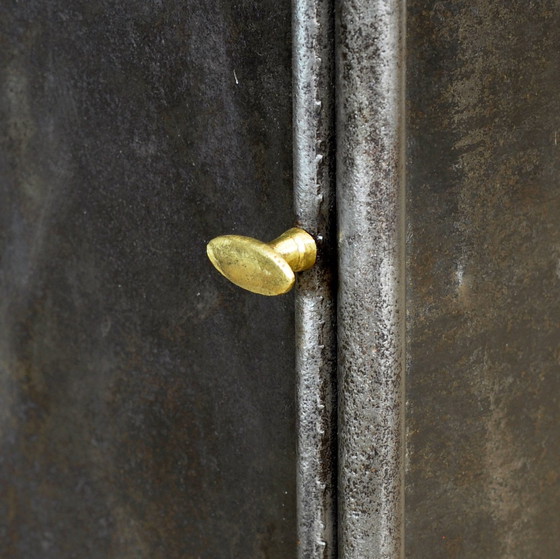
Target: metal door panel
[483,218]
[147,406]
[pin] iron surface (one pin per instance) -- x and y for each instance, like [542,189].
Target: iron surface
[314,201]
[370,201]
[136,418]
[483,335]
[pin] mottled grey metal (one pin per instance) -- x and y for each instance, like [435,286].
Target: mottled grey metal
[146,404]
[313,75]
[483,214]
[370,190]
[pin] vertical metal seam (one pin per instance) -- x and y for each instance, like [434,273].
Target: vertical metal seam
[371,297]
[403,270]
[314,201]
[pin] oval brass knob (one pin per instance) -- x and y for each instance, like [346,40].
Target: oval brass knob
[264,268]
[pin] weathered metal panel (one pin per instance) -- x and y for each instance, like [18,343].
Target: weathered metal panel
[483,213]
[370,194]
[147,406]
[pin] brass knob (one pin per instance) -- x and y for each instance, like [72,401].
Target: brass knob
[264,268]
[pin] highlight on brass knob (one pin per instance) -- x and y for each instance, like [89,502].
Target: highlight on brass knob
[264,268]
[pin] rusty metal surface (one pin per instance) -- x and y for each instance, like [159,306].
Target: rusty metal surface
[313,75]
[483,212]
[370,194]
[136,417]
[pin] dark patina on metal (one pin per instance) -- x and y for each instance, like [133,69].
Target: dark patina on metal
[136,417]
[483,329]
